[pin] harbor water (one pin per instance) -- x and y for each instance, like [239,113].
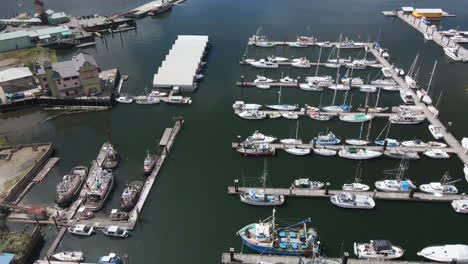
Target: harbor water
[189,218]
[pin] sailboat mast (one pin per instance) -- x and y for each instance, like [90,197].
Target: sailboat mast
[377,100]
[432,74]
[368,129]
[360,132]
[279,93]
[388,130]
[318,61]
[297,128]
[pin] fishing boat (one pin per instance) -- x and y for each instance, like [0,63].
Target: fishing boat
[116,215]
[453,53]
[112,258]
[298,151]
[446,253]
[156,93]
[398,184]
[407,97]
[378,249]
[124,100]
[356,186]
[415,143]
[112,157]
[130,195]
[325,152]
[258,138]
[252,115]
[115,231]
[435,144]
[256,150]
[406,118]
[358,153]
[258,197]
[437,154]
[402,154]
[147,100]
[368,89]
[264,44]
[301,63]
[436,131]
[352,201]
[265,64]
[387,72]
[460,206]
[442,187]
[320,116]
[295,140]
[288,80]
[263,79]
[70,186]
[327,139]
[99,183]
[266,238]
[305,183]
[160,7]
[298,44]
[355,118]
[81,230]
[411,76]
[149,163]
[241,105]
[70,256]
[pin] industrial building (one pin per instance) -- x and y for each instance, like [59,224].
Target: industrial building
[16,83]
[42,37]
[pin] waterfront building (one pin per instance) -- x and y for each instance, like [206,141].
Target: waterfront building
[41,37]
[16,83]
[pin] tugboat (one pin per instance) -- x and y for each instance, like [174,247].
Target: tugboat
[112,157]
[130,195]
[100,183]
[70,186]
[149,163]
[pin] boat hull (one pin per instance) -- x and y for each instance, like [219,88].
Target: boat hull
[271,250]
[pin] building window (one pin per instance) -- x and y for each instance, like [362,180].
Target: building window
[44,79]
[64,85]
[76,83]
[74,77]
[66,79]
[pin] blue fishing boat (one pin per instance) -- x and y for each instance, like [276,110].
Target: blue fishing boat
[293,240]
[111,258]
[328,139]
[390,142]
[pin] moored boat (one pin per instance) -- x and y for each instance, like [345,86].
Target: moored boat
[258,138]
[305,183]
[358,153]
[81,230]
[327,139]
[116,231]
[436,131]
[149,163]
[100,183]
[378,249]
[352,201]
[437,154]
[70,186]
[320,116]
[112,157]
[116,215]
[256,150]
[70,256]
[252,115]
[415,143]
[130,195]
[446,253]
[241,105]
[460,206]
[325,152]
[402,154]
[355,118]
[124,100]
[112,258]
[298,151]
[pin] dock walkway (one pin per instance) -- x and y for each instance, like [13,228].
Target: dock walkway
[46,169]
[296,85]
[437,36]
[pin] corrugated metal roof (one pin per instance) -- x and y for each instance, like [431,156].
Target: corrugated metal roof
[25,21]
[48,31]
[14,35]
[14,74]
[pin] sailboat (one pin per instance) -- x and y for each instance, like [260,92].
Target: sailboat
[357,118]
[292,140]
[374,109]
[398,184]
[356,186]
[279,106]
[337,108]
[357,141]
[358,153]
[445,186]
[266,238]
[423,95]
[295,150]
[259,197]
[315,83]
[410,78]
[390,141]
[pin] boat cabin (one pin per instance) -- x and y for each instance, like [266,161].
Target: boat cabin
[115,231]
[382,246]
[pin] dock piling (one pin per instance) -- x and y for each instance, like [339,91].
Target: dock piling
[411,193]
[55,223]
[242,81]
[231,254]
[236,185]
[385,145]
[344,259]
[327,187]
[314,143]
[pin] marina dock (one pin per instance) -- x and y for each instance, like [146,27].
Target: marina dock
[296,85]
[324,193]
[437,36]
[288,63]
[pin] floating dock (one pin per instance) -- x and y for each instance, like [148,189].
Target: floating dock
[288,63]
[296,85]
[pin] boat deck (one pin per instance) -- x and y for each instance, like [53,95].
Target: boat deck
[392,196]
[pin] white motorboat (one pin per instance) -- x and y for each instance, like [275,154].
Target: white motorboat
[355,187]
[358,153]
[390,88]
[391,142]
[452,53]
[368,89]
[124,100]
[355,118]
[258,138]
[435,144]
[398,184]
[264,64]
[288,80]
[442,187]
[427,36]
[411,82]
[264,44]
[325,44]
[116,231]
[387,72]
[356,142]
[407,97]
[377,249]
[352,81]
[437,154]
[308,87]
[289,115]
[326,139]
[324,80]
[458,38]
[298,44]
[156,93]
[81,230]
[341,60]
[305,183]
[436,131]
[263,79]
[460,206]
[148,100]
[298,151]
[356,65]
[70,256]
[332,65]
[277,59]
[384,82]
[406,118]
[447,253]
[282,107]
[402,154]
[274,115]
[325,152]
[291,141]
[415,143]
[263,149]
[337,108]
[354,201]
[252,115]
[339,87]
[301,63]
[320,116]
[241,105]
[262,86]
[112,258]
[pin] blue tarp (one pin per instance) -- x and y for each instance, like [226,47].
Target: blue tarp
[404,185]
[5,258]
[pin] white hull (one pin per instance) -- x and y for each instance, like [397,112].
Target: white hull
[291,141]
[339,87]
[435,131]
[460,206]
[356,142]
[437,154]
[71,256]
[359,118]
[298,151]
[290,115]
[325,152]
[249,116]
[446,253]
[365,251]
[282,107]
[359,155]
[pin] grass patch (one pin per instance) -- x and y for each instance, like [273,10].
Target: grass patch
[4,141]
[31,56]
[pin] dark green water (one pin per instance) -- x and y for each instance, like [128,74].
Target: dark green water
[188,217]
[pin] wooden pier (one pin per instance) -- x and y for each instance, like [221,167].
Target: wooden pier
[46,169]
[303,112]
[324,193]
[288,63]
[437,37]
[56,242]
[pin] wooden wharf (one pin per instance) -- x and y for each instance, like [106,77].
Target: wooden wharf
[437,37]
[56,242]
[46,169]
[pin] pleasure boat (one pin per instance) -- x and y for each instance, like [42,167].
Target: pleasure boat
[274,115]
[69,256]
[352,81]
[356,142]
[288,80]
[353,201]
[291,141]
[241,105]
[341,60]
[324,80]
[277,59]
[156,93]
[325,44]
[387,72]
[290,115]
[356,65]
[424,97]
[402,154]
[81,230]
[373,109]
[355,187]
[310,87]
[116,215]
[109,259]
[70,186]
[298,44]
[411,82]
[349,44]
[358,153]
[256,150]
[328,139]
[124,100]
[259,198]
[407,97]
[100,183]
[298,151]
[437,154]
[325,152]
[130,195]
[320,116]
[258,138]
[178,100]
[390,88]
[438,188]
[377,249]
[301,63]
[391,142]
[116,231]
[395,185]
[149,163]
[160,7]
[460,206]
[435,144]
[266,238]
[252,115]
[263,79]
[415,143]
[446,253]
[384,82]
[282,107]
[83,214]
[406,118]
[368,89]
[337,108]
[264,44]
[305,183]
[452,53]
[264,64]
[436,131]
[355,118]
[263,86]
[147,100]
[339,87]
